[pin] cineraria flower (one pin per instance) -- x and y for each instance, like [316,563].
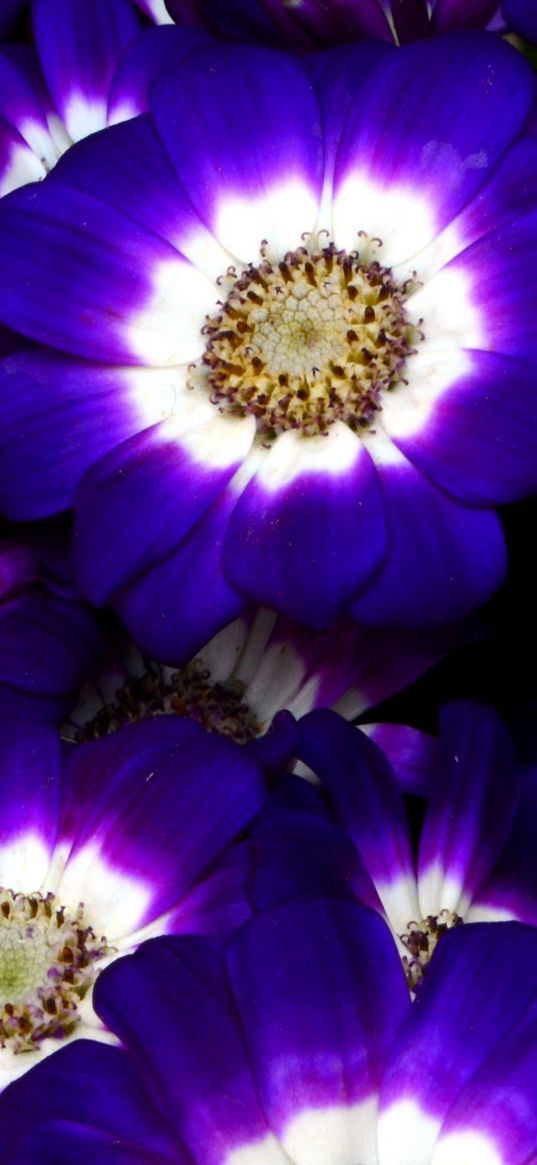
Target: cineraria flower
[256,667]
[89,69]
[296,1044]
[475,854]
[49,638]
[287,354]
[305,25]
[104,845]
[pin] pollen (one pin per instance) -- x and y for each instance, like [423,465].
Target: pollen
[219,706]
[421,940]
[315,338]
[47,964]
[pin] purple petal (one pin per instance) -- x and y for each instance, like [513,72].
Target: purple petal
[511,889]
[294,855]
[47,647]
[86,279]
[522,17]
[154,809]
[84,1090]
[449,15]
[473,800]
[172,610]
[367,804]
[147,55]
[400,175]
[210,1099]
[79,49]
[138,503]
[458,445]
[444,559]
[318,1027]
[495,268]
[263,183]
[308,499]
[30,784]
[412,754]
[127,168]
[220,902]
[488,975]
[60,415]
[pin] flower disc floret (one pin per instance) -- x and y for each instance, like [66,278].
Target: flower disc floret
[314,338]
[421,940]
[47,964]
[189,691]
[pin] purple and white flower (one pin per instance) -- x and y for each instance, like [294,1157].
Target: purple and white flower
[310,421]
[475,853]
[91,66]
[102,846]
[259,665]
[296,1043]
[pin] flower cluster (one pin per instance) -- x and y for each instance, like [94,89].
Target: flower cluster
[268,403]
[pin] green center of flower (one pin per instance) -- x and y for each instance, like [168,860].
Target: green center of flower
[421,940]
[47,964]
[189,691]
[310,340]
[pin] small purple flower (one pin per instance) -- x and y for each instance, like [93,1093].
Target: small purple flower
[296,1043]
[101,846]
[475,852]
[259,665]
[267,401]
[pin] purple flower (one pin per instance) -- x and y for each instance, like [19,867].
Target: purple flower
[311,421]
[101,846]
[475,852]
[90,67]
[259,665]
[296,1043]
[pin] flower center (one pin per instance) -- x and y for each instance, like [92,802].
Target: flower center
[310,340]
[421,940]
[47,964]
[189,691]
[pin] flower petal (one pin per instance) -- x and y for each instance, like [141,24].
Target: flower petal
[453,436]
[411,157]
[138,503]
[60,415]
[263,183]
[319,1026]
[444,559]
[163,814]
[367,804]
[480,983]
[30,781]
[471,807]
[84,278]
[79,50]
[309,498]
[190,580]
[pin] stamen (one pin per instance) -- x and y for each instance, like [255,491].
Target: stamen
[219,707]
[312,339]
[47,964]
[421,941]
